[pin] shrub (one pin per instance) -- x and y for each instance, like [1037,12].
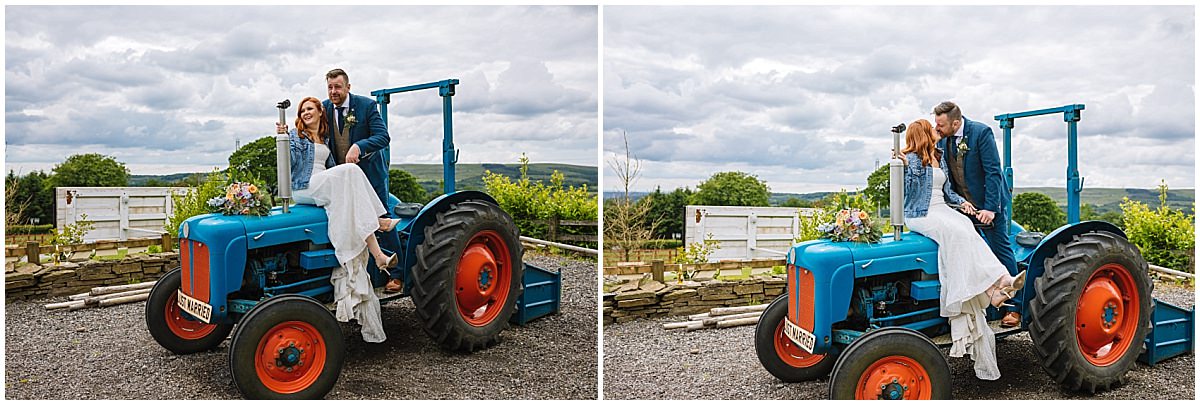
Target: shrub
[29,229]
[531,203]
[71,234]
[1037,212]
[1166,237]
[195,201]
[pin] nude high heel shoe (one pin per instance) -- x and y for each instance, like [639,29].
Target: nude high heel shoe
[1005,293]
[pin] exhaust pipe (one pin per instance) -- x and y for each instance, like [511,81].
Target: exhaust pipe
[896,183]
[283,159]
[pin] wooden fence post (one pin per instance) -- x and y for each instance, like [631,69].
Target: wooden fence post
[31,252]
[553,228]
[166,242]
[657,268]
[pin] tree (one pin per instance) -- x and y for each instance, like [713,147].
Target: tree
[404,186]
[1037,212]
[878,191]
[732,188]
[625,223]
[797,203]
[257,161]
[90,170]
[28,197]
[667,209]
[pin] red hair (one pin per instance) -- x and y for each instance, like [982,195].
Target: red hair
[919,139]
[303,131]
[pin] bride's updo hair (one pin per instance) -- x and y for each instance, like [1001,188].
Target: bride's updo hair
[919,139]
[303,130]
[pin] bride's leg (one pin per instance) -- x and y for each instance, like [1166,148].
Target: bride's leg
[376,252]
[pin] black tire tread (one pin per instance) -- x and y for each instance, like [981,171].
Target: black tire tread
[1052,310]
[433,275]
[246,380]
[764,347]
[156,324]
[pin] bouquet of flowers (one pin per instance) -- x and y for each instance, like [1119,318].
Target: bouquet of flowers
[851,225]
[242,198]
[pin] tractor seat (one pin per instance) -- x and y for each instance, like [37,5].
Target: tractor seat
[1030,239]
[407,210]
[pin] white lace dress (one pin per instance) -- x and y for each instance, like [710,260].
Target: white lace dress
[966,268]
[353,210]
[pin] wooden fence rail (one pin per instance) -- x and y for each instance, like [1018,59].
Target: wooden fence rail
[555,233]
[32,250]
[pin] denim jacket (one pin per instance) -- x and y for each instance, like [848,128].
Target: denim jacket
[302,151]
[917,187]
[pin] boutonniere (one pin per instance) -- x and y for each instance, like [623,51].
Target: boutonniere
[962,147]
[350,120]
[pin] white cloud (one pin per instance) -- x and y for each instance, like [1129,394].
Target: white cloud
[804,96]
[171,89]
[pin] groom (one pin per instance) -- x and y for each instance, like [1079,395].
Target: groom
[358,136]
[975,174]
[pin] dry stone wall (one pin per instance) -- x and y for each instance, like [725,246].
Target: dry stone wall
[646,298]
[27,281]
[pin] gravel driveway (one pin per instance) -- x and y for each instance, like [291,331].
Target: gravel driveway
[108,354]
[643,361]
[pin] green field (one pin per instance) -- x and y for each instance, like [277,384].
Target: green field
[470,176]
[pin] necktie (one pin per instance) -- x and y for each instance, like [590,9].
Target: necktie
[341,118]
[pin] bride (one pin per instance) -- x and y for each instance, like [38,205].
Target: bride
[970,275]
[354,215]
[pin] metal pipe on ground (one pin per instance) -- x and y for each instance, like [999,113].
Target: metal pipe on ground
[592,252]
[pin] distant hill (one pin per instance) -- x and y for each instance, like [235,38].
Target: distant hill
[469,175]
[1104,199]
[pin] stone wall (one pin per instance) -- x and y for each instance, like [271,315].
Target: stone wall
[646,298]
[640,268]
[27,281]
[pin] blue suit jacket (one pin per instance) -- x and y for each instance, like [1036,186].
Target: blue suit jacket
[371,136]
[981,167]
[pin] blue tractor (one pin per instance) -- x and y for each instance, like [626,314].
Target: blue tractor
[867,315]
[460,260]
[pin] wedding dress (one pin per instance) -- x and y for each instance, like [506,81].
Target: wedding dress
[353,210]
[966,269]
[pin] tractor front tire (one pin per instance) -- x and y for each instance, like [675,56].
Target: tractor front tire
[287,347]
[174,329]
[1092,311]
[467,276]
[779,355]
[891,363]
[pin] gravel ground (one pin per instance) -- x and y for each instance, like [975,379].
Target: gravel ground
[643,361]
[108,354]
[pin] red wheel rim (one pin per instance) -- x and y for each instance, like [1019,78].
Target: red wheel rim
[791,354]
[482,282]
[182,327]
[894,377]
[290,357]
[1107,317]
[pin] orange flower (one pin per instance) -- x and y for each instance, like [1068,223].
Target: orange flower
[862,215]
[252,189]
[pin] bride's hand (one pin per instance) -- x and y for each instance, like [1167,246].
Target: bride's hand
[899,156]
[967,207]
[280,128]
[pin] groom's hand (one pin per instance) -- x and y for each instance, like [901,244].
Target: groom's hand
[352,154]
[985,216]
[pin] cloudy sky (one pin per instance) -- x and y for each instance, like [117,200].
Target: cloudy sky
[803,97]
[171,89]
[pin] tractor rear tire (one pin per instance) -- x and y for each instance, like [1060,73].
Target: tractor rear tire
[782,358]
[891,363]
[287,347]
[468,276]
[172,328]
[1092,311]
